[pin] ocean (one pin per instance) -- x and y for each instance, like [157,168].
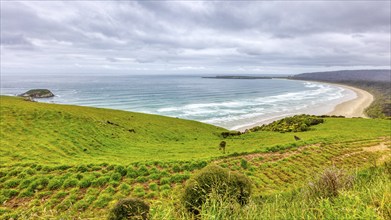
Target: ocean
[229,103]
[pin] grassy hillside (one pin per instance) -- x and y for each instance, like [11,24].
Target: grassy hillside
[74,135]
[65,161]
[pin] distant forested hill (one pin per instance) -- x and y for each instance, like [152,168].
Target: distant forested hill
[377,82]
[348,75]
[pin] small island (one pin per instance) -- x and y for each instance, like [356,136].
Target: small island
[238,77]
[38,93]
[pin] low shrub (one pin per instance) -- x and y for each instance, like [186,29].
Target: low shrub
[55,183]
[121,170]
[244,163]
[153,186]
[165,187]
[297,123]
[139,191]
[218,181]
[116,176]
[179,178]
[124,188]
[164,180]
[12,183]
[131,172]
[329,183]
[143,171]
[101,181]
[176,168]
[70,183]
[103,200]
[8,193]
[39,183]
[155,176]
[130,208]
[226,134]
[109,190]
[85,183]
[142,179]
[26,193]
[25,183]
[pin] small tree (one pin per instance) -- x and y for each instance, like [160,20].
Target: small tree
[222,146]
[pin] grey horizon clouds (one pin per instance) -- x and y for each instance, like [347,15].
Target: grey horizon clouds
[194,37]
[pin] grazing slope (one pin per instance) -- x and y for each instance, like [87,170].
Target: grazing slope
[67,161]
[77,135]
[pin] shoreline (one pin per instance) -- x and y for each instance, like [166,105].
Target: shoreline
[355,107]
[351,108]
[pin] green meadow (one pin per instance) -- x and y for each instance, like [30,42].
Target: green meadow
[70,162]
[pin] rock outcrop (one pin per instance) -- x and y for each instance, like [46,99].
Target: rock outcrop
[38,93]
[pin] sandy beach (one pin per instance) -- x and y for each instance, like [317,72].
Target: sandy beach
[351,108]
[355,107]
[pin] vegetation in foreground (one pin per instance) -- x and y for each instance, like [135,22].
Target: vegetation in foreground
[62,161]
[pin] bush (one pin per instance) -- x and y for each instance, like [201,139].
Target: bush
[297,123]
[329,183]
[218,181]
[129,209]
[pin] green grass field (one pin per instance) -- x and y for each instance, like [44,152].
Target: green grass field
[65,161]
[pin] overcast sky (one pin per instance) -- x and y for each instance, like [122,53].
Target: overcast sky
[193,37]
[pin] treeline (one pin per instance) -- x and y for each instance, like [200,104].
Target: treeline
[377,82]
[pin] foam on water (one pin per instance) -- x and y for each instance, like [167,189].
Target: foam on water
[232,104]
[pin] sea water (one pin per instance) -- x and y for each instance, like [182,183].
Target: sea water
[229,103]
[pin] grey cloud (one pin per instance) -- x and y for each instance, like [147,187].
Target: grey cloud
[186,34]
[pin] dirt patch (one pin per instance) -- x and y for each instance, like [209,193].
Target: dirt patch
[375,148]
[380,147]
[372,149]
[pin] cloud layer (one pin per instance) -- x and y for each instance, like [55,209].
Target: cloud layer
[193,37]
